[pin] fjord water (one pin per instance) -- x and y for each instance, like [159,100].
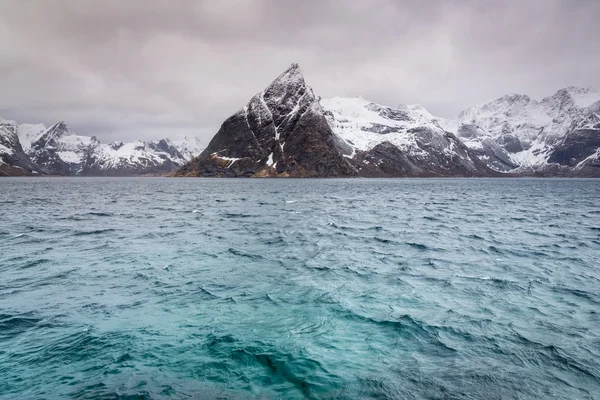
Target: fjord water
[209,288]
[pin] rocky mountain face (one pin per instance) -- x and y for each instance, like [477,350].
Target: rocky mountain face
[13,160]
[285,131]
[282,131]
[558,136]
[58,150]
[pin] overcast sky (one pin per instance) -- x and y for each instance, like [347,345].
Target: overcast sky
[145,69]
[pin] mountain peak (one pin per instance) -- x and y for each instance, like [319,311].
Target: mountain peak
[57,130]
[514,97]
[571,97]
[284,98]
[294,69]
[281,131]
[60,126]
[579,89]
[291,80]
[7,121]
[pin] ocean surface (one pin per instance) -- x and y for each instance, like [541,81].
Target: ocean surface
[207,288]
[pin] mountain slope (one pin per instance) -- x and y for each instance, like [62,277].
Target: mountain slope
[406,141]
[282,131]
[13,160]
[28,133]
[189,147]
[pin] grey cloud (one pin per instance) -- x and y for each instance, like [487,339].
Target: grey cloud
[151,68]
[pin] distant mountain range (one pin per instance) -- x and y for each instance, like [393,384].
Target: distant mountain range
[28,149]
[288,131]
[559,135]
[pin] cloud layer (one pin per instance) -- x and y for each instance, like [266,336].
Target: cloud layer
[145,69]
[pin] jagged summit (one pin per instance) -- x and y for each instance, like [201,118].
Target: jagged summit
[282,131]
[285,95]
[56,131]
[61,127]
[291,77]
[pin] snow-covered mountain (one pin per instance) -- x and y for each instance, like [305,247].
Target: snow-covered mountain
[402,141]
[189,147]
[559,135]
[286,130]
[13,160]
[59,150]
[514,135]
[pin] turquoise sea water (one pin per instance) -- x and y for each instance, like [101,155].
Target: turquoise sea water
[207,288]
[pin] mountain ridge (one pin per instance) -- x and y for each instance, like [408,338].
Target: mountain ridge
[58,150]
[516,134]
[285,130]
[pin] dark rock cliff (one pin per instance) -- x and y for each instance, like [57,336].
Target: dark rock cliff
[282,131]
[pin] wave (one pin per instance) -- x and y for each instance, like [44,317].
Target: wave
[99,214]
[94,232]
[281,366]
[35,263]
[419,246]
[501,282]
[591,297]
[237,215]
[12,325]
[383,240]
[476,237]
[273,241]
[549,354]
[242,253]
[406,326]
